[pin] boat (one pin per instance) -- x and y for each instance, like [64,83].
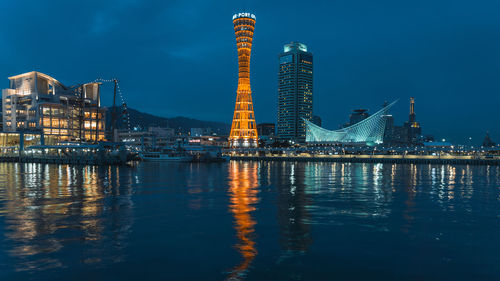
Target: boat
[166,155]
[205,153]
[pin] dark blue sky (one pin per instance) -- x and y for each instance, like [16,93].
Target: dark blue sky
[179,57]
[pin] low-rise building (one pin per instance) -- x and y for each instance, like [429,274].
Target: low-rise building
[266,129]
[153,137]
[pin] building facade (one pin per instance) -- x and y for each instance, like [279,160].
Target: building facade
[1,116]
[37,102]
[266,129]
[316,120]
[358,115]
[295,91]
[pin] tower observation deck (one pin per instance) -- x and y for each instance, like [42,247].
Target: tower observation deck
[243,128]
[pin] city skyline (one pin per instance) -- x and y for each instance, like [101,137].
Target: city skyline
[444,54]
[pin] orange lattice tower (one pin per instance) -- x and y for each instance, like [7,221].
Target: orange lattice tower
[243,128]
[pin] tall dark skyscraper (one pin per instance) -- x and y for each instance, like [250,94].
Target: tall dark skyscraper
[358,115]
[295,91]
[412,125]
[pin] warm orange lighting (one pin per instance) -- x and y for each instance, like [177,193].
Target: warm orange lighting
[243,128]
[243,190]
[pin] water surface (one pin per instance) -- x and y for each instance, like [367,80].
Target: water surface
[249,221]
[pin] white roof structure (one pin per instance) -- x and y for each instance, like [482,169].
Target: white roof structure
[369,130]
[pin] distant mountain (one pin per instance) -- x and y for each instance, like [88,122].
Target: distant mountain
[180,124]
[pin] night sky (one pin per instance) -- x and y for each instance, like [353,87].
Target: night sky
[179,57]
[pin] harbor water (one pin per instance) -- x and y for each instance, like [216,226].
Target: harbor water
[249,220]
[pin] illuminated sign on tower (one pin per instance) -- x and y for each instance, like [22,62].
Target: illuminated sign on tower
[243,128]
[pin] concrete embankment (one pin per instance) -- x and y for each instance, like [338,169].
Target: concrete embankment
[395,159]
[88,160]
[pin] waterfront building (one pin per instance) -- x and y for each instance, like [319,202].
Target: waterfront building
[152,137]
[389,127]
[243,128]
[37,102]
[368,131]
[413,127]
[399,135]
[295,91]
[208,141]
[14,142]
[266,129]
[487,142]
[1,116]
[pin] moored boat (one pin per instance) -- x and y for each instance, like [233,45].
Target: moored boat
[205,153]
[165,155]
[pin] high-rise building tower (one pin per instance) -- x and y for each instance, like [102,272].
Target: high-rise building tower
[412,116]
[412,125]
[389,125]
[243,129]
[295,91]
[358,115]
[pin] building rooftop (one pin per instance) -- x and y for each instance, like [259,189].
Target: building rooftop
[360,110]
[243,15]
[34,72]
[295,46]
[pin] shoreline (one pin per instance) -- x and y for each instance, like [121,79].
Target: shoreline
[392,159]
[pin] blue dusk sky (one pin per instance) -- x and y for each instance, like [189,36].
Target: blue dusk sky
[178,58]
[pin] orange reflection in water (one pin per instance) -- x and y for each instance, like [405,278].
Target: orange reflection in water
[243,182]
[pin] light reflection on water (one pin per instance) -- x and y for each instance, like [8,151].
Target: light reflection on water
[47,206]
[282,216]
[243,184]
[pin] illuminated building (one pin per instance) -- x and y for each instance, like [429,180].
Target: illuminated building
[295,91]
[369,130]
[412,125]
[243,128]
[1,116]
[37,102]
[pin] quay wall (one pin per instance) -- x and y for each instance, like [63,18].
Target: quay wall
[65,160]
[393,159]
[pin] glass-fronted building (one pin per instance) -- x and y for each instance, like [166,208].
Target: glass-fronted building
[295,91]
[37,102]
